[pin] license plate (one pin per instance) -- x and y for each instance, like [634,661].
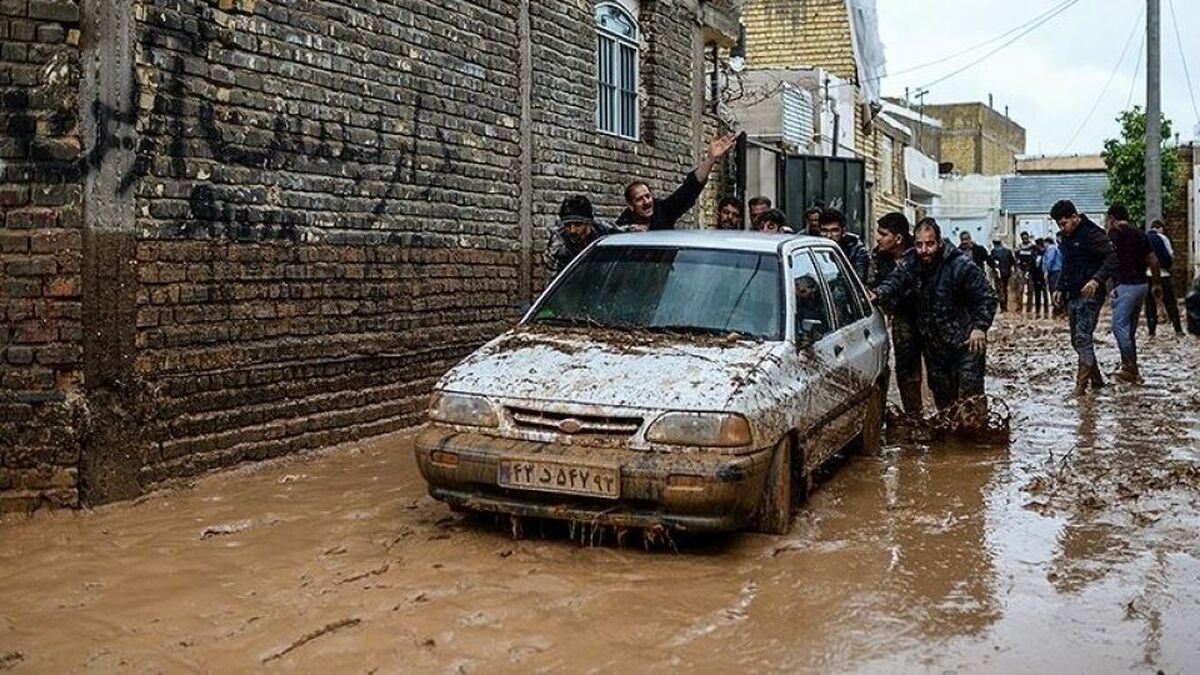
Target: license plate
[593,481]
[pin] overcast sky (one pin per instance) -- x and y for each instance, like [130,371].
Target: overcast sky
[1051,77]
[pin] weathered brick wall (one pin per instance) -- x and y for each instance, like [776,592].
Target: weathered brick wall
[296,216]
[568,154]
[813,33]
[1175,221]
[326,221]
[40,254]
[978,139]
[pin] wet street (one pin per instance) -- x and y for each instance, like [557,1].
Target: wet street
[1072,549]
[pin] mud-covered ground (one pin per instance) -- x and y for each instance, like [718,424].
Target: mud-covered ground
[1075,548]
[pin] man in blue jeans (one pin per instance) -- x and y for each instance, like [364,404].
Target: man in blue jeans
[1052,263]
[1131,286]
[1088,260]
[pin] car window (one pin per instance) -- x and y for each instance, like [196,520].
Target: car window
[842,293]
[667,288]
[812,312]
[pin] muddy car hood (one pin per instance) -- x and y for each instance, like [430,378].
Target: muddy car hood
[657,371]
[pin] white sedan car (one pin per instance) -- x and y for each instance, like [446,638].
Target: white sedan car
[681,379]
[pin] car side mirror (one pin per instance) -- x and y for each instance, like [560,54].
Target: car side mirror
[810,330]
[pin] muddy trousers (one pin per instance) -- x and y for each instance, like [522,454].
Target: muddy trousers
[1127,300]
[954,376]
[906,353]
[1002,291]
[1083,316]
[1169,302]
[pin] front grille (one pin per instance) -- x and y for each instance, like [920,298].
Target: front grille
[588,425]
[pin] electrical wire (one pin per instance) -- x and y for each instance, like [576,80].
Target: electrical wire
[1056,12]
[1186,74]
[972,48]
[1137,70]
[1104,90]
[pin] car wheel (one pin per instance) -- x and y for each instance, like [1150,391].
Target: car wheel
[872,432]
[775,508]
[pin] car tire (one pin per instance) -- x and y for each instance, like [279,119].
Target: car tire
[872,432]
[775,508]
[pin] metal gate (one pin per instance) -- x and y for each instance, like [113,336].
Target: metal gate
[829,182]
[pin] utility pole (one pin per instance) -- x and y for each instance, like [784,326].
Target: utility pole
[1153,115]
[837,118]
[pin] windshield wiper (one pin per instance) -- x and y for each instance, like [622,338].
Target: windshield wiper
[569,321]
[694,330]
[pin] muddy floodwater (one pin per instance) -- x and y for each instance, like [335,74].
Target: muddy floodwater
[1074,548]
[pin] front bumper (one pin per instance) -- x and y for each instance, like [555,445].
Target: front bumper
[721,493]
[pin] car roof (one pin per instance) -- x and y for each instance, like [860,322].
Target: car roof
[728,240]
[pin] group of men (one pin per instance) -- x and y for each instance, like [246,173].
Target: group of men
[577,223]
[1034,267]
[938,297]
[1135,264]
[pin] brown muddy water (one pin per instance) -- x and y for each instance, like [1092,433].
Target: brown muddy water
[1073,549]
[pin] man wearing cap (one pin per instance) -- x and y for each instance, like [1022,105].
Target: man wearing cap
[576,228]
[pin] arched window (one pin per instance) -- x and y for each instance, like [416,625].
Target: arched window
[616,70]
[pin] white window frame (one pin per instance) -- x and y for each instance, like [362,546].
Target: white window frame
[617,97]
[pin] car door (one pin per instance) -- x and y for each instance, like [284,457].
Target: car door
[819,393]
[856,345]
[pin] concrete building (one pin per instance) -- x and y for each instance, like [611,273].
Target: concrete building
[970,204]
[238,229]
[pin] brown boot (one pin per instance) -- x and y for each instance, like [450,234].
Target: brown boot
[1096,378]
[1082,376]
[1129,372]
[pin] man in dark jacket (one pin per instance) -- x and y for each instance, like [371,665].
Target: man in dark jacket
[1003,262]
[1088,261]
[1166,255]
[977,254]
[892,240]
[1133,281]
[833,226]
[644,212]
[576,228]
[955,307]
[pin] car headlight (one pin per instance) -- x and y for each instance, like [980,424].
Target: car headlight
[464,409]
[720,430]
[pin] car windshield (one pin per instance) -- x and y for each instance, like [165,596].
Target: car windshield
[688,290]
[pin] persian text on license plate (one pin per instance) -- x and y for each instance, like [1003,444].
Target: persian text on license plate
[594,481]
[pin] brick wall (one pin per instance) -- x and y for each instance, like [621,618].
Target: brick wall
[1175,221]
[813,33]
[297,216]
[40,254]
[978,139]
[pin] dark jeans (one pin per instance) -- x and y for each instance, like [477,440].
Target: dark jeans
[955,376]
[1083,316]
[1171,303]
[1037,286]
[1002,291]
[906,353]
